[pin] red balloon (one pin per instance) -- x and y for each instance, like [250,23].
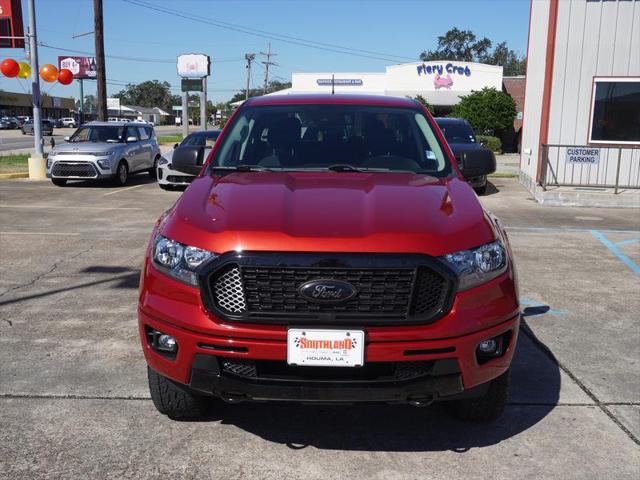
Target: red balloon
[65,77]
[10,68]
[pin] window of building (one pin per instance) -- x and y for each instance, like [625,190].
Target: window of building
[615,110]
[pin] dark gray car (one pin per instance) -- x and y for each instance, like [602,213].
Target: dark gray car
[105,150]
[47,127]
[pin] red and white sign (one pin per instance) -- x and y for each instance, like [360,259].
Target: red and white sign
[81,67]
[11,24]
[326,348]
[193,65]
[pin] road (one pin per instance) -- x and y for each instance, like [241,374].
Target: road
[12,140]
[74,401]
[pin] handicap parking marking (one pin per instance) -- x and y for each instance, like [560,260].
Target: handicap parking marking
[615,249]
[628,241]
[533,308]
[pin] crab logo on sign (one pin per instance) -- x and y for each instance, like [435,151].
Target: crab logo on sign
[193,65]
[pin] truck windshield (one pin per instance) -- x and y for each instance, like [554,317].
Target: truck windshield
[102,133]
[325,136]
[457,132]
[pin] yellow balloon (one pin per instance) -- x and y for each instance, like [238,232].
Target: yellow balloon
[25,70]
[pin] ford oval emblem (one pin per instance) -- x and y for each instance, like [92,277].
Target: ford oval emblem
[327,291]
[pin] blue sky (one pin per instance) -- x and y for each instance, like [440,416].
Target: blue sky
[399,30]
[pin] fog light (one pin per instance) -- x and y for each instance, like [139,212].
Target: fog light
[488,346]
[167,343]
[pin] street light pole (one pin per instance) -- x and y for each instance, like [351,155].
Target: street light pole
[37,165]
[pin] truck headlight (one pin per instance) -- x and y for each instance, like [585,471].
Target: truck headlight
[178,260]
[478,265]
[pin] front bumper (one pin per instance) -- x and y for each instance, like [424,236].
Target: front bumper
[168,176]
[80,167]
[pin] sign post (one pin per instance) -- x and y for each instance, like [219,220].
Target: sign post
[193,68]
[37,165]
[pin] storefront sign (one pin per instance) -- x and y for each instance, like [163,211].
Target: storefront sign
[442,68]
[193,65]
[81,67]
[339,81]
[11,24]
[583,155]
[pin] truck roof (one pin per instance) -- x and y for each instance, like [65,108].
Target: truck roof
[336,99]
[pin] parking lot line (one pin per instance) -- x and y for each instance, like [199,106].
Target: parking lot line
[123,189]
[616,251]
[66,234]
[75,207]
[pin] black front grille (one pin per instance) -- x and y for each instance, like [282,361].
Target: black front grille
[179,179]
[369,372]
[72,169]
[380,291]
[391,289]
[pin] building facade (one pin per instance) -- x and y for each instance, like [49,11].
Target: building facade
[13,104]
[581,123]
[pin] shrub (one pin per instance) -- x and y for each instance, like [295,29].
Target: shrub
[492,143]
[487,110]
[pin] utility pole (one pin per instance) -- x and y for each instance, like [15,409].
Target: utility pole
[249,57]
[266,66]
[101,75]
[37,165]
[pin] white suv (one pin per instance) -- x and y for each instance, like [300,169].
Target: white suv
[69,122]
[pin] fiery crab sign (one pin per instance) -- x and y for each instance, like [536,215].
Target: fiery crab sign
[193,65]
[81,67]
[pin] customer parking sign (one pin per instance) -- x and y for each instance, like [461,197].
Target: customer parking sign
[583,155]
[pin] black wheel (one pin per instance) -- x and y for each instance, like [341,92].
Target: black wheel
[481,190]
[174,400]
[122,174]
[153,171]
[60,182]
[23,132]
[487,407]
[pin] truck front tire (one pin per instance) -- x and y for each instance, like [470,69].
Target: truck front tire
[486,408]
[174,400]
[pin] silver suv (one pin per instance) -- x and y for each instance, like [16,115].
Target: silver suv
[105,150]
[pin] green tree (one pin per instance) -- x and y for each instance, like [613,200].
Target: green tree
[463,46]
[151,93]
[273,86]
[423,101]
[487,110]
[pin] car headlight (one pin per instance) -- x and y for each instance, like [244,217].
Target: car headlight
[478,265]
[178,260]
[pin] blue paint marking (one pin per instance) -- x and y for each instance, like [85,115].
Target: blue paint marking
[536,308]
[635,268]
[628,241]
[568,229]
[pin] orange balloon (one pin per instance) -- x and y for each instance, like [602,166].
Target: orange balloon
[65,76]
[49,73]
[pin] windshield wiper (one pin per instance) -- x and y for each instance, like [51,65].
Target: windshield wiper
[243,168]
[345,167]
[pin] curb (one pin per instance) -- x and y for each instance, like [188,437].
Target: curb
[8,176]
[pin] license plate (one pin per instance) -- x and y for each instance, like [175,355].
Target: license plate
[325,348]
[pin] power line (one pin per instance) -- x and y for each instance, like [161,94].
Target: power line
[274,36]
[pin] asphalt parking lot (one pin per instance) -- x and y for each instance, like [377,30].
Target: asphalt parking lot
[73,392]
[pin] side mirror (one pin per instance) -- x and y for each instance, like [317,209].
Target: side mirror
[132,139]
[188,159]
[67,138]
[175,146]
[476,163]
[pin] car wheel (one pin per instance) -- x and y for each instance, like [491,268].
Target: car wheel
[174,400]
[486,408]
[153,171]
[122,174]
[60,182]
[23,132]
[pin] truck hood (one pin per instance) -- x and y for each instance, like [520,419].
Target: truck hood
[330,212]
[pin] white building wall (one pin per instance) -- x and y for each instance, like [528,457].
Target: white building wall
[593,38]
[534,87]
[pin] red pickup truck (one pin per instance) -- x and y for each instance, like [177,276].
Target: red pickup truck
[330,251]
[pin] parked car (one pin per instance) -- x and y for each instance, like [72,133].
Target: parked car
[461,139]
[168,178]
[329,250]
[10,123]
[46,126]
[56,122]
[22,119]
[69,122]
[5,124]
[104,151]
